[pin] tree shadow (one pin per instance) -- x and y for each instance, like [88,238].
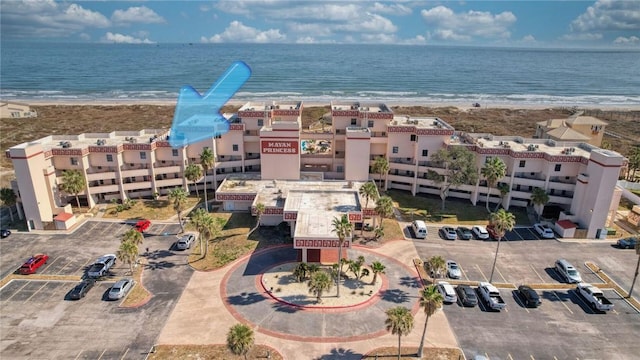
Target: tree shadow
[285,308]
[157,265]
[340,353]
[245,298]
[395,296]
[158,254]
[412,282]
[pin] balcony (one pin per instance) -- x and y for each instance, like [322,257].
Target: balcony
[401,160]
[249,156]
[227,158]
[137,185]
[564,200]
[403,173]
[101,189]
[252,162]
[167,170]
[135,172]
[107,175]
[168,182]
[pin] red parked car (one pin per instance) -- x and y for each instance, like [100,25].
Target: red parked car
[31,265]
[143,225]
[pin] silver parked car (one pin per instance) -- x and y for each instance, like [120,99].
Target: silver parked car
[185,242]
[453,270]
[120,289]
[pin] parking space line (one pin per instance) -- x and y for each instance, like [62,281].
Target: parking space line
[532,358]
[486,355]
[509,355]
[65,265]
[51,263]
[80,353]
[499,273]
[45,284]
[14,294]
[536,271]
[555,358]
[481,273]
[464,273]
[103,351]
[126,351]
[561,302]
[517,297]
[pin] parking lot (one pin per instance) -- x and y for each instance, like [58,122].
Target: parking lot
[37,320]
[564,326]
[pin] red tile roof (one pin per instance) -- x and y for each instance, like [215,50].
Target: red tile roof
[63,217]
[566,224]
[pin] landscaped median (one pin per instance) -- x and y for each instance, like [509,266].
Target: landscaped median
[429,353]
[139,295]
[10,277]
[214,351]
[612,284]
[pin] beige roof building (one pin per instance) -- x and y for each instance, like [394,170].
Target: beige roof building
[575,128]
[16,110]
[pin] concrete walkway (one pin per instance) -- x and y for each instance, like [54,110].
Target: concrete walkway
[204,314]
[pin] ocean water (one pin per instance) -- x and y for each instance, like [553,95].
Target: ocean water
[321,73]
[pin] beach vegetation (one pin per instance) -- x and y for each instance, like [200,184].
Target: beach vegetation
[430,301]
[73,183]
[240,339]
[399,322]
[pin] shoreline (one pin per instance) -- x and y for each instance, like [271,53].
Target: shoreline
[311,103]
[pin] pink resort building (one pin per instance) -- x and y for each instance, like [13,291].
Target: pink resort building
[306,177]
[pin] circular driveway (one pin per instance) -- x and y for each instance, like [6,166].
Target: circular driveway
[249,303]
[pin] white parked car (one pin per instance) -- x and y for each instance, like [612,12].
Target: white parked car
[453,270]
[544,231]
[448,292]
[120,289]
[480,232]
[185,242]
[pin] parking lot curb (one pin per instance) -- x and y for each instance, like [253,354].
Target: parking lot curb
[612,285]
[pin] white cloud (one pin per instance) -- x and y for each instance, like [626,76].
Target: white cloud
[607,15]
[631,40]
[125,39]
[418,40]
[582,37]
[373,23]
[528,39]
[465,26]
[392,9]
[379,38]
[136,14]
[47,19]
[238,32]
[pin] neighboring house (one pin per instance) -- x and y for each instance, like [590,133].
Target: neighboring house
[266,140]
[16,110]
[574,128]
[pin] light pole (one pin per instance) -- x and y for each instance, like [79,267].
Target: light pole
[635,276]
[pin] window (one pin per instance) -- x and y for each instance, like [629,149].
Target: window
[414,137]
[395,150]
[425,152]
[340,168]
[174,152]
[370,123]
[235,147]
[522,163]
[260,122]
[74,161]
[109,157]
[143,155]
[353,121]
[558,166]
[218,137]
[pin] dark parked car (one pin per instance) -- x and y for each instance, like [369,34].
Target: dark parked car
[464,233]
[81,289]
[529,296]
[5,233]
[627,243]
[466,295]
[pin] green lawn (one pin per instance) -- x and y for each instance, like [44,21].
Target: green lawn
[457,211]
[160,209]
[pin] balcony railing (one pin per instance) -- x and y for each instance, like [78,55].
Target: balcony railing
[378,134]
[402,160]
[223,158]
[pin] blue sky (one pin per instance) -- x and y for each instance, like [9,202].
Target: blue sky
[586,24]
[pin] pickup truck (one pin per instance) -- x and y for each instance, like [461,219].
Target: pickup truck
[491,296]
[594,297]
[101,266]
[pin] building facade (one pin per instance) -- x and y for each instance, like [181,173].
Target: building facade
[267,140]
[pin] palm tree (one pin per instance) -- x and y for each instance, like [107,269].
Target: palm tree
[319,283]
[300,271]
[369,191]
[133,236]
[504,190]
[400,322]
[379,232]
[381,167]
[356,266]
[384,207]
[377,268]
[430,300]
[179,198]
[259,212]
[502,221]
[342,227]
[240,339]
[8,197]
[207,227]
[193,173]
[539,198]
[207,160]
[128,253]
[73,183]
[436,265]
[494,169]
